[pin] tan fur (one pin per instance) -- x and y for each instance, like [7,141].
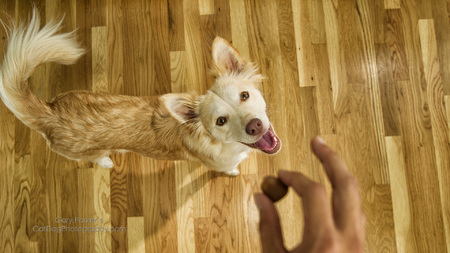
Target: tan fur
[82,125]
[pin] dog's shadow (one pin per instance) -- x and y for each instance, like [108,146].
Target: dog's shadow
[163,187]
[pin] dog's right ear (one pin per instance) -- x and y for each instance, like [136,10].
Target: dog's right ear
[226,58]
[180,106]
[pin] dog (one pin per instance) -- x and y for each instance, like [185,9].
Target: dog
[218,128]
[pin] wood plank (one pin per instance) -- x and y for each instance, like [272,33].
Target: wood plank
[85,208]
[387,91]
[380,174]
[196,67]
[400,196]
[178,72]
[308,99]
[134,184]
[114,26]
[70,194]
[351,39]
[54,165]
[223,20]
[21,177]
[136,236]
[422,176]
[119,196]
[303,42]
[176,25]
[22,182]
[138,65]
[99,59]
[102,210]
[222,238]
[335,55]
[99,8]
[160,216]
[202,235]
[161,56]
[396,44]
[249,214]
[238,24]
[441,17]
[424,10]
[392,4]
[435,95]
[7,241]
[78,16]
[381,236]
[324,93]
[447,109]
[377,18]
[265,39]
[152,218]
[317,21]
[185,207]
[206,7]
[168,207]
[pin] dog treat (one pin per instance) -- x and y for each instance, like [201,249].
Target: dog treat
[274,188]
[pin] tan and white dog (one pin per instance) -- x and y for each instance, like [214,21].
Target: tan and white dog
[218,128]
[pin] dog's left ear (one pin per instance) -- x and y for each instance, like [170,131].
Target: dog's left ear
[226,58]
[180,106]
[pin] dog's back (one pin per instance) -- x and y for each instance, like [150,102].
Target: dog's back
[82,125]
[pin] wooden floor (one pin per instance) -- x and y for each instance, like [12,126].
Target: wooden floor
[371,76]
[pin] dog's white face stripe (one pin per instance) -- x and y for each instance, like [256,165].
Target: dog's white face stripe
[224,100]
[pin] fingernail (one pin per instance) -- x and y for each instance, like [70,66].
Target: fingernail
[257,199]
[320,140]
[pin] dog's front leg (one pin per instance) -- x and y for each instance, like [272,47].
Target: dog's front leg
[229,171]
[233,172]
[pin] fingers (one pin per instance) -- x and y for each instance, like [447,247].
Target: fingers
[335,168]
[316,207]
[346,199]
[269,225]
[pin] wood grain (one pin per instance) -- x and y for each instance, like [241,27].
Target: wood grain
[447,109]
[435,95]
[176,25]
[99,59]
[136,236]
[395,41]
[335,55]
[400,196]
[370,76]
[392,4]
[303,42]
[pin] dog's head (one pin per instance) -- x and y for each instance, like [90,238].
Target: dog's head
[233,110]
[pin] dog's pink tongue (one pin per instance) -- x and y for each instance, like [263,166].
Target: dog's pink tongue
[268,142]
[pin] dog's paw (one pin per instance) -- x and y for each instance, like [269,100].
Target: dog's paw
[105,162]
[234,172]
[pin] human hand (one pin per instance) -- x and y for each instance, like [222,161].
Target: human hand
[339,228]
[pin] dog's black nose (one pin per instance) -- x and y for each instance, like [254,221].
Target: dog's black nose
[254,127]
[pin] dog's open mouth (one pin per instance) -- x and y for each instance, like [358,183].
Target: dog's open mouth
[268,143]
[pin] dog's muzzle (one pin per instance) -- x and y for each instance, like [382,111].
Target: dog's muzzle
[268,143]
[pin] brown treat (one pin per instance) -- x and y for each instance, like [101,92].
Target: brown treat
[274,188]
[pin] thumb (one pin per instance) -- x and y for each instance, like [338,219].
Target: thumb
[269,225]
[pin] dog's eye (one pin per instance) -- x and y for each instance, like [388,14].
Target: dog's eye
[244,95]
[221,121]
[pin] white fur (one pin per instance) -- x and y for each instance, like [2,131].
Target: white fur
[105,162]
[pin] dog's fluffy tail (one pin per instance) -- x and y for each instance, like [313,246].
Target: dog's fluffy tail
[28,47]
